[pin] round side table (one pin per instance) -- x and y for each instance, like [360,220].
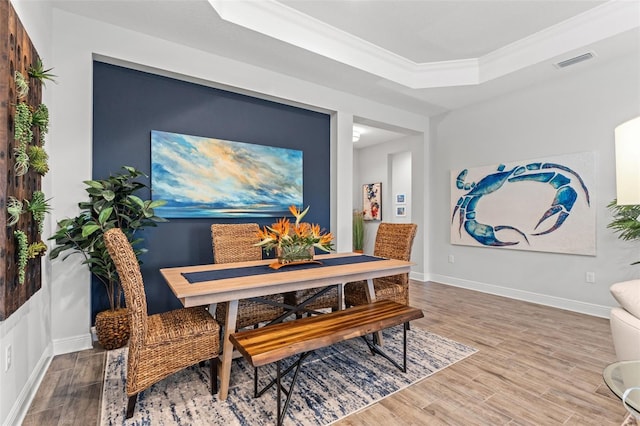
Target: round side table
[622,376]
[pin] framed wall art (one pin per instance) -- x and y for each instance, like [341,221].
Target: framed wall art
[214,178]
[401,211]
[401,199]
[372,201]
[540,205]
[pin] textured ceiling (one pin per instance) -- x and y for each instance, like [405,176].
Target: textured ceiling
[430,31]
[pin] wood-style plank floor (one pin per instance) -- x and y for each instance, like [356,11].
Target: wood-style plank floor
[535,366]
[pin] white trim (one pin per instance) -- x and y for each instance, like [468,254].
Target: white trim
[418,276]
[602,22]
[25,398]
[289,25]
[72,344]
[526,296]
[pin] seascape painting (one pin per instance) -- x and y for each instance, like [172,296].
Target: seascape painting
[206,177]
[539,205]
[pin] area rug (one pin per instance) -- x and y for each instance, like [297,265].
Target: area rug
[333,383]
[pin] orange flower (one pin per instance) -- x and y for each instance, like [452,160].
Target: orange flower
[326,239]
[281,227]
[315,230]
[301,236]
[297,213]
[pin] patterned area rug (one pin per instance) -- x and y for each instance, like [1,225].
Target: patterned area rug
[333,383]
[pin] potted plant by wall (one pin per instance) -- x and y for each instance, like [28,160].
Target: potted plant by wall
[358,231]
[626,222]
[111,204]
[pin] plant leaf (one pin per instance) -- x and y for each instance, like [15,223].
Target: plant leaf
[89,229]
[105,214]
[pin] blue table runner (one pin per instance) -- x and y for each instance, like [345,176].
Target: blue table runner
[196,277]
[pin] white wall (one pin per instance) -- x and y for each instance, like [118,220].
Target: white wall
[28,330]
[575,113]
[401,178]
[376,164]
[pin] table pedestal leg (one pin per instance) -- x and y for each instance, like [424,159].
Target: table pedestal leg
[371,297]
[227,349]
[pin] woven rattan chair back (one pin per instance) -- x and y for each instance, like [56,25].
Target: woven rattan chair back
[394,241]
[235,242]
[131,280]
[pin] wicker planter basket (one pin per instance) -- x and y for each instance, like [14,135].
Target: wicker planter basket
[112,328]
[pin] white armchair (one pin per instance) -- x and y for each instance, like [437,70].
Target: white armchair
[625,320]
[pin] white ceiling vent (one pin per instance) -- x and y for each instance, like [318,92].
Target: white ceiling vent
[575,60]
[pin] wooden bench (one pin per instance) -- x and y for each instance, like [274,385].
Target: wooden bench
[302,336]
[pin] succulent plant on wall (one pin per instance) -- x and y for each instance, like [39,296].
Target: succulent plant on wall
[28,154]
[14,209]
[22,85]
[24,162]
[38,206]
[23,135]
[37,71]
[40,119]
[22,252]
[39,159]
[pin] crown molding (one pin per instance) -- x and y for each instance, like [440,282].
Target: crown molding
[604,21]
[286,24]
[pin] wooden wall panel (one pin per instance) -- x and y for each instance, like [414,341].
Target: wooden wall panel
[16,53]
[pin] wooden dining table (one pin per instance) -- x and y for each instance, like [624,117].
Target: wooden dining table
[230,282]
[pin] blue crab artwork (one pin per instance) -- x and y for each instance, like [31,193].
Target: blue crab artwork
[560,177]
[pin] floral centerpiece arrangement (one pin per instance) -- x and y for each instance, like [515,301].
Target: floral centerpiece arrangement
[294,242]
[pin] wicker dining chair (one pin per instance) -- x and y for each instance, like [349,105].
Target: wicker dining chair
[160,344]
[236,243]
[393,241]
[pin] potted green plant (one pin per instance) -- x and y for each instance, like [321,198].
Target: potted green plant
[111,204]
[358,231]
[626,222]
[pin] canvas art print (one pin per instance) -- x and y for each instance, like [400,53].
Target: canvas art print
[540,205]
[208,177]
[372,201]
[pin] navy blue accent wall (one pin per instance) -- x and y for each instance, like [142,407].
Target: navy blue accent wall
[128,104]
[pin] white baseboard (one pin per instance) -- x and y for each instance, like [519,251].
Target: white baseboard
[61,346]
[72,344]
[418,276]
[23,402]
[541,299]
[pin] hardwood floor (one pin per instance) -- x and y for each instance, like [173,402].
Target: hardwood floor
[535,366]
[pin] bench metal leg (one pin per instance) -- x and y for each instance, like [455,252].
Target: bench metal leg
[375,349]
[279,386]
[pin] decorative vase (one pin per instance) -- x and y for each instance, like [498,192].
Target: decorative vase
[112,328]
[294,253]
